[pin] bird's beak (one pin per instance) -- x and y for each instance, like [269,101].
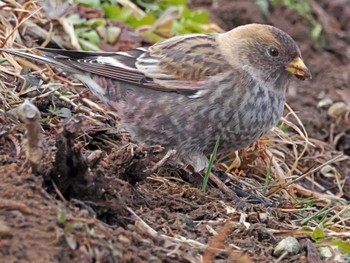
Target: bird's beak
[298,68]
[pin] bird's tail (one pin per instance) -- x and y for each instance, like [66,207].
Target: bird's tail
[40,58]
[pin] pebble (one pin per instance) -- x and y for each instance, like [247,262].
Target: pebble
[288,244]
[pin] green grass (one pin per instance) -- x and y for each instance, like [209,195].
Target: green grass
[210,165]
[158,19]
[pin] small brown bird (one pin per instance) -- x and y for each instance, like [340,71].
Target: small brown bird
[185,92]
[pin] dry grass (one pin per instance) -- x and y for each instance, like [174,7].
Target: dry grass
[282,165]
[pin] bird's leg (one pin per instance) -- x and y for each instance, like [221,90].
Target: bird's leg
[160,163]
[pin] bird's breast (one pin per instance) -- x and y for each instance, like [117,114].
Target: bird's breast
[244,117]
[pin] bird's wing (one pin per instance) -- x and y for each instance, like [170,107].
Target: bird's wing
[183,61]
[182,64]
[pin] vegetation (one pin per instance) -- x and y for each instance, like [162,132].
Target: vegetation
[155,20]
[279,172]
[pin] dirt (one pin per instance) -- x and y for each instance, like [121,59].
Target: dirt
[91,201]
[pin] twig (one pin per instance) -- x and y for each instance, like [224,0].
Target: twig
[145,228]
[29,114]
[161,162]
[17,26]
[221,185]
[276,189]
[58,192]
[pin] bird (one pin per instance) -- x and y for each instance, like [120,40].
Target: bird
[188,92]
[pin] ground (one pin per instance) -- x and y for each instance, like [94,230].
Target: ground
[86,199]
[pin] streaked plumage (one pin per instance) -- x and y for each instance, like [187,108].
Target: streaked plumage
[186,91]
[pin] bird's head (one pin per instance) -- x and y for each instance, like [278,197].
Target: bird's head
[265,52]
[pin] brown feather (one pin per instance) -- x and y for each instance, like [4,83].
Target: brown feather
[192,58]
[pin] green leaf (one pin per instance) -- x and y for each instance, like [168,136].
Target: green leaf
[316,32]
[90,3]
[124,14]
[184,11]
[153,37]
[110,34]
[307,228]
[283,127]
[173,2]
[264,6]
[111,11]
[115,13]
[178,27]
[61,214]
[178,2]
[46,121]
[144,21]
[276,2]
[81,30]
[193,27]
[344,246]
[86,45]
[65,112]
[199,16]
[317,234]
[148,5]
[70,239]
[94,22]
[75,19]
[91,36]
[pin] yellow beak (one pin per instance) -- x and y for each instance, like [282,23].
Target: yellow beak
[298,68]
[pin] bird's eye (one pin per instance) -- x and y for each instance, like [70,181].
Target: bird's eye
[273,52]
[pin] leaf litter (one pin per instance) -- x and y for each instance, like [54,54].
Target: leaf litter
[90,200]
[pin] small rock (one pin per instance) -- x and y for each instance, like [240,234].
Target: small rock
[325,103]
[263,217]
[289,244]
[5,231]
[337,109]
[325,252]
